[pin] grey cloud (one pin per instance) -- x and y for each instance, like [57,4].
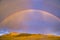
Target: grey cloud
[9,7]
[31,20]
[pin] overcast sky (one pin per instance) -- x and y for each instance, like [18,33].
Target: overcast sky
[8,7]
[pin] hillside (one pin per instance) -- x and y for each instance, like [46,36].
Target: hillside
[27,36]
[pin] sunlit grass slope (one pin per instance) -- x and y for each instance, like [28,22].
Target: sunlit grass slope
[27,36]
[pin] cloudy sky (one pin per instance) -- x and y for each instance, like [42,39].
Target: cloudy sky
[8,7]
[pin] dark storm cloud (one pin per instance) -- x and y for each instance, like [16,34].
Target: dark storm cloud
[52,6]
[0,0]
[37,21]
[57,28]
[8,7]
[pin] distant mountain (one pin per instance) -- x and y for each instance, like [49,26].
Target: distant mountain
[27,36]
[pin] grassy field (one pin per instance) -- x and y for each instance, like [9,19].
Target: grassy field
[26,36]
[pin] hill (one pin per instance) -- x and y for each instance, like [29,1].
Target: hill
[27,36]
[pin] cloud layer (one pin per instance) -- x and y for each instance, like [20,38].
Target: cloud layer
[32,21]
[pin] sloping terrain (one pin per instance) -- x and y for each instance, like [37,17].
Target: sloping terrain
[27,36]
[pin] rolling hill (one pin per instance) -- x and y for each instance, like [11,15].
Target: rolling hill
[27,36]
